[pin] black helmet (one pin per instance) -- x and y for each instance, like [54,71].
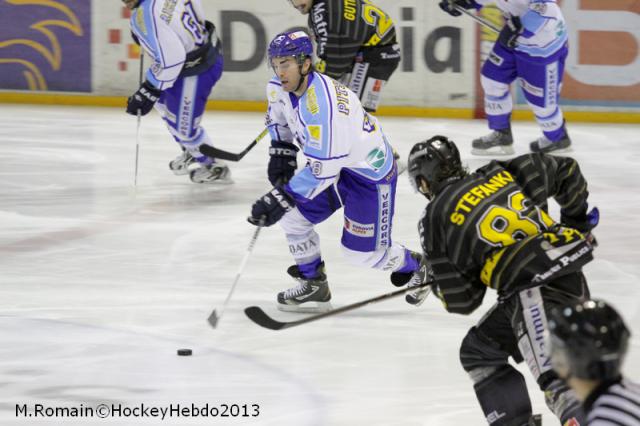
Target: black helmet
[588,340]
[436,161]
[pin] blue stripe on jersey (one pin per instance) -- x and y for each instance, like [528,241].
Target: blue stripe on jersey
[304,184]
[545,51]
[533,21]
[321,117]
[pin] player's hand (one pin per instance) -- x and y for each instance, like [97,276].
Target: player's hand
[143,100]
[270,208]
[449,6]
[282,162]
[510,32]
[584,222]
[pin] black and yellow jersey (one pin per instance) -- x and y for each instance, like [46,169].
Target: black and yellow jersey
[342,28]
[468,223]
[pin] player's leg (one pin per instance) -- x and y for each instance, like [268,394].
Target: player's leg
[498,72]
[371,71]
[530,324]
[541,81]
[501,390]
[312,293]
[182,107]
[368,216]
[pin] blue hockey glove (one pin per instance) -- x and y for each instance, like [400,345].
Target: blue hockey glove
[510,32]
[449,6]
[282,162]
[270,208]
[143,100]
[584,222]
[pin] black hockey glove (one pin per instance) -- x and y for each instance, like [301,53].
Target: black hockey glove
[282,162]
[449,6]
[584,222]
[143,99]
[270,208]
[510,32]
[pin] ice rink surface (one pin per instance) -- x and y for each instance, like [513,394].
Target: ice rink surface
[101,283]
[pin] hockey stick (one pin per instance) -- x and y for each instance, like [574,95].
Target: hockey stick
[478,19]
[214,152]
[135,173]
[214,318]
[257,315]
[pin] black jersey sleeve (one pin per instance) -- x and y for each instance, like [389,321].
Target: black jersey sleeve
[458,292]
[544,176]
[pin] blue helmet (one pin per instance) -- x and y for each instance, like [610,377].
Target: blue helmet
[291,43]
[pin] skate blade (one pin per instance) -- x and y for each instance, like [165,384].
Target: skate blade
[495,150]
[307,308]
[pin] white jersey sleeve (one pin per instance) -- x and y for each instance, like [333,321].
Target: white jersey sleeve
[275,120]
[167,31]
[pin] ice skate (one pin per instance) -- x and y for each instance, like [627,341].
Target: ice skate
[542,144]
[180,165]
[311,295]
[216,172]
[498,142]
[412,279]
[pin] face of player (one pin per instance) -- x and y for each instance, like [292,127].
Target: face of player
[287,70]
[131,4]
[303,6]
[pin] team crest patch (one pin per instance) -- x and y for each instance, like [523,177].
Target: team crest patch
[312,100]
[541,8]
[376,158]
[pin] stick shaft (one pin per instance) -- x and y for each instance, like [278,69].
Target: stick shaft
[478,19]
[135,172]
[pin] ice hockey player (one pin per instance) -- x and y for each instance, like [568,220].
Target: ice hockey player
[356,44]
[589,341]
[531,47]
[187,63]
[349,164]
[490,229]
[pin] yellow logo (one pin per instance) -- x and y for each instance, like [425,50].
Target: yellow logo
[312,100]
[315,132]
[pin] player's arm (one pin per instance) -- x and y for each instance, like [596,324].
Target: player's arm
[544,176]
[167,51]
[283,151]
[168,54]
[457,292]
[319,146]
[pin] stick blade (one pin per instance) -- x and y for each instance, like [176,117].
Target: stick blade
[213,319]
[258,316]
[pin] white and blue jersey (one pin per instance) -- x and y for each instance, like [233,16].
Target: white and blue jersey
[333,131]
[167,30]
[545,30]
[350,165]
[186,65]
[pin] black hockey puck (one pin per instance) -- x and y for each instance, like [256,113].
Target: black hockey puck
[185,352]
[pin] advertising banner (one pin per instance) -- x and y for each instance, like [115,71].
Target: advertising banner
[45,45]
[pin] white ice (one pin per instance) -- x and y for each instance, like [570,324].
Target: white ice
[101,283]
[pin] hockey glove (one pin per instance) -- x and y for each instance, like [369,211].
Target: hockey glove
[449,6]
[584,222]
[510,32]
[143,100]
[270,208]
[282,162]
